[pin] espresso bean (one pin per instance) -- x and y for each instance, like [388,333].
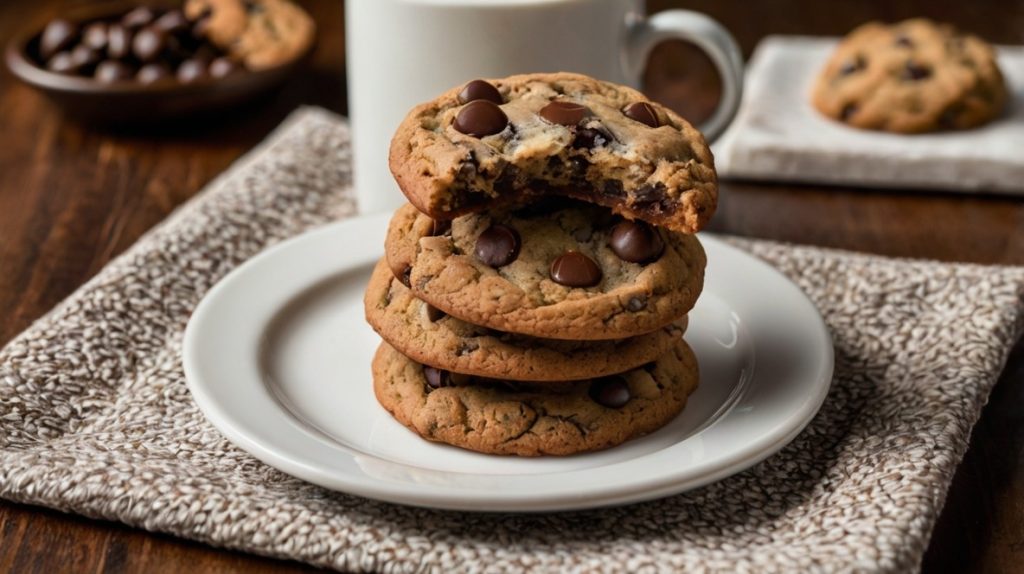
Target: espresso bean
[95,35]
[574,269]
[480,90]
[643,112]
[223,67]
[612,392]
[58,35]
[119,41]
[62,63]
[151,73]
[192,70]
[480,118]
[498,246]
[636,242]
[436,378]
[111,71]
[138,18]
[149,43]
[173,22]
[563,113]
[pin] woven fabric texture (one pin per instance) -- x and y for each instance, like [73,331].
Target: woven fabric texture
[96,419]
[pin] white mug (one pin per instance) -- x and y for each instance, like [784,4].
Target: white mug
[404,52]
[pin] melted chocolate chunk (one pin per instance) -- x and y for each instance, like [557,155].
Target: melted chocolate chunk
[480,118]
[574,269]
[642,112]
[564,113]
[480,90]
[591,138]
[613,188]
[611,392]
[498,246]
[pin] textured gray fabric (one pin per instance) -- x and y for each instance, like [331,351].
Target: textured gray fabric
[95,417]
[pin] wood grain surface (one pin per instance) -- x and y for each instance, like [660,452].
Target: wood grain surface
[73,197]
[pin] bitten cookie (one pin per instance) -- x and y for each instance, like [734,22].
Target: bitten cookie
[574,272]
[914,76]
[504,141]
[260,33]
[429,336]
[498,417]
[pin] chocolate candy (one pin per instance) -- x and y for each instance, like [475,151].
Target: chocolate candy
[480,90]
[192,70]
[149,43]
[636,242]
[137,18]
[110,71]
[436,378]
[223,67]
[62,63]
[480,118]
[498,245]
[574,269]
[119,41]
[58,35]
[914,72]
[95,35]
[611,392]
[642,112]
[152,73]
[173,22]
[563,113]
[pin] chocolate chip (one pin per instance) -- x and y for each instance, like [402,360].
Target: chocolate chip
[847,111]
[851,66]
[119,41]
[613,188]
[151,73]
[62,63]
[406,276]
[173,22]
[498,245]
[436,378]
[95,35]
[642,112]
[915,72]
[223,67]
[591,137]
[138,18]
[149,43]
[648,193]
[480,118]
[192,70]
[611,392]
[110,71]
[563,113]
[637,242]
[58,35]
[638,303]
[574,269]
[905,41]
[506,182]
[440,227]
[434,314]
[480,90]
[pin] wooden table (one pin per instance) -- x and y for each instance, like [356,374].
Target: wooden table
[71,198]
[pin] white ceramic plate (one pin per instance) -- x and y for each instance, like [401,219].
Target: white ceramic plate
[278,358]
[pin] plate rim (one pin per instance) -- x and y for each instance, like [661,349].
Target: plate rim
[229,425]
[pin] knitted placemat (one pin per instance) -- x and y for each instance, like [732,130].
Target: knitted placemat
[95,417]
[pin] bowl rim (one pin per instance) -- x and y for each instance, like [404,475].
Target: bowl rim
[23,66]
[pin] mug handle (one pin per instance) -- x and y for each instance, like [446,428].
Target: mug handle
[708,35]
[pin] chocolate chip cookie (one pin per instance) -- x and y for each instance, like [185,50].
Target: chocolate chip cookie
[559,272]
[430,336]
[499,417]
[910,77]
[260,33]
[503,141]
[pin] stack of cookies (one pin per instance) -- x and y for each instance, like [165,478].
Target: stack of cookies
[534,293]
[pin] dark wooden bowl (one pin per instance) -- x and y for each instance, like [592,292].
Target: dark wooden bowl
[125,103]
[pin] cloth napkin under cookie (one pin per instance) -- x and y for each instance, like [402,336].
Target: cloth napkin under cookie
[95,417]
